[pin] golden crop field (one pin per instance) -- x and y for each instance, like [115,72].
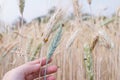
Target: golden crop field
[82,49]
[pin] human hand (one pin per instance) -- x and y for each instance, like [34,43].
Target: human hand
[31,71]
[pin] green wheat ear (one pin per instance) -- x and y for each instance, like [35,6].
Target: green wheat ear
[53,46]
[54,43]
[88,61]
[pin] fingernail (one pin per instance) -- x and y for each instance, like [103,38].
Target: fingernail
[37,65]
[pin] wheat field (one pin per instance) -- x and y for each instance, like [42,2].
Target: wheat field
[87,49]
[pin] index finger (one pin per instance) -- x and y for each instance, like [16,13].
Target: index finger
[38,61]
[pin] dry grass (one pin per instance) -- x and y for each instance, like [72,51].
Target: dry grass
[99,60]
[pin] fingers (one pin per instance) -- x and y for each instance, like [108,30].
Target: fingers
[32,67]
[49,70]
[49,78]
[42,62]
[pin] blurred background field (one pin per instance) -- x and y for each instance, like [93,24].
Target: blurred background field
[89,48]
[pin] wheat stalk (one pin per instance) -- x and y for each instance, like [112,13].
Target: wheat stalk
[53,46]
